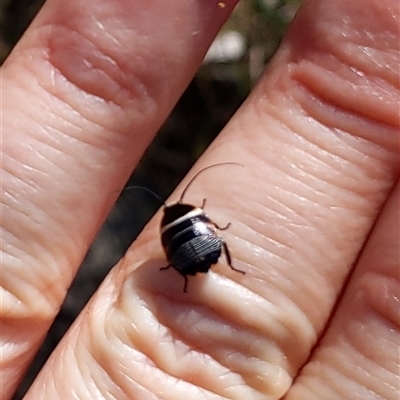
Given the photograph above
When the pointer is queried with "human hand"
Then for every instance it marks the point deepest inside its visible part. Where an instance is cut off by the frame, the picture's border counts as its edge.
(87, 88)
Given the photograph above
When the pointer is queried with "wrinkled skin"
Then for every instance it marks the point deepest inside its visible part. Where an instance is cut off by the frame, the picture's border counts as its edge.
(314, 213)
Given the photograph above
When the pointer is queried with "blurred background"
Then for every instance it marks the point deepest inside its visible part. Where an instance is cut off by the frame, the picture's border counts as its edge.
(232, 66)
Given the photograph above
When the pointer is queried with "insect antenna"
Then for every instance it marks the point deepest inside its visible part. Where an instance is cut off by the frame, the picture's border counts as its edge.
(145, 189)
(204, 169)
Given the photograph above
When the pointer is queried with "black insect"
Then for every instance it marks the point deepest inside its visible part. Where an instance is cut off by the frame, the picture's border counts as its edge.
(189, 238)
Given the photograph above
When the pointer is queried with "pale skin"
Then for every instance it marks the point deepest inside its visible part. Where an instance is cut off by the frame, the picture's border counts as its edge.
(314, 212)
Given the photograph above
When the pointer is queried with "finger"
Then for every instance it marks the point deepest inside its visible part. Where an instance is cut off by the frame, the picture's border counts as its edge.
(319, 141)
(358, 357)
(86, 89)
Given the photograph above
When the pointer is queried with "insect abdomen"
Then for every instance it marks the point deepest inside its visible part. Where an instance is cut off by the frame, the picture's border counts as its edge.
(197, 254)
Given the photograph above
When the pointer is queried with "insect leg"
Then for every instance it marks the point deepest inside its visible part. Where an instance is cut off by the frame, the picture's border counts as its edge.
(184, 277)
(185, 284)
(204, 203)
(222, 228)
(229, 260)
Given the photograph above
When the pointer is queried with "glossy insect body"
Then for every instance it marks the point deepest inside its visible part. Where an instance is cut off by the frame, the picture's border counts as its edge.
(190, 239)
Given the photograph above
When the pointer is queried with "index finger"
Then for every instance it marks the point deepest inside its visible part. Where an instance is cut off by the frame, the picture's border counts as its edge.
(86, 89)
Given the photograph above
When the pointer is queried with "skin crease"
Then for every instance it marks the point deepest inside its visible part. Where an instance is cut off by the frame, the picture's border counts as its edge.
(314, 212)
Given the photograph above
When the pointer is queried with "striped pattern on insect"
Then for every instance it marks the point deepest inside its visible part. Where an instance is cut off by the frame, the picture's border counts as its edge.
(189, 237)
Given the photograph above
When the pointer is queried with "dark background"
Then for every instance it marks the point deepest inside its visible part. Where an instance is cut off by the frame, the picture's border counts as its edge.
(216, 92)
